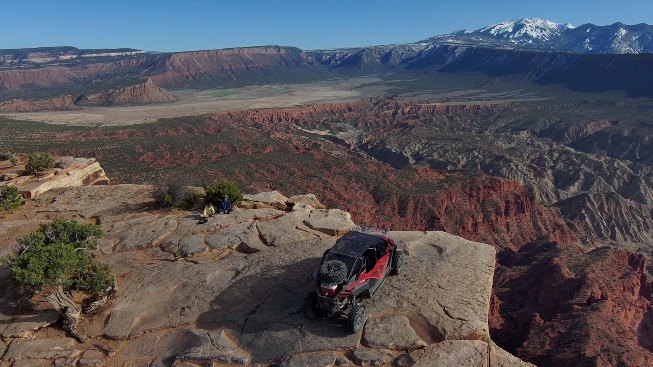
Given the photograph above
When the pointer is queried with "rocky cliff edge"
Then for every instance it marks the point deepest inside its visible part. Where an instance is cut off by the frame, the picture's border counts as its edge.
(229, 292)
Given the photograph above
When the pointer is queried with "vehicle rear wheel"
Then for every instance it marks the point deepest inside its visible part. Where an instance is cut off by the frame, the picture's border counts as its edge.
(333, 272)
(356, 318)
(397, 262)
(310, 306)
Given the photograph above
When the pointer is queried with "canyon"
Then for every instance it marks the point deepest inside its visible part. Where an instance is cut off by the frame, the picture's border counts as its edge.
(559, 211)
(531, 169)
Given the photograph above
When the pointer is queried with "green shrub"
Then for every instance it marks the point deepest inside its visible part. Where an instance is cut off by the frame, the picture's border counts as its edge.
(59, 254)
(10, 156)
(71, 231)
(162, 197)
(215, 193)
(39, 162)
(192, 199)
(10, 198)
(176, 195)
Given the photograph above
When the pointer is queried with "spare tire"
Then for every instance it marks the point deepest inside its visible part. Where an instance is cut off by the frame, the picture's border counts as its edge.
(333, 272)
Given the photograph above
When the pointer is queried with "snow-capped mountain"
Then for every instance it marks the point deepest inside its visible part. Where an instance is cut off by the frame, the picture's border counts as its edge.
(543, 34)
(617, 38)
(526, 30)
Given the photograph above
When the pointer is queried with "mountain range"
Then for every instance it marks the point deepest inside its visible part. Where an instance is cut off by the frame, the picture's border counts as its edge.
(539, 34)
(523, 33)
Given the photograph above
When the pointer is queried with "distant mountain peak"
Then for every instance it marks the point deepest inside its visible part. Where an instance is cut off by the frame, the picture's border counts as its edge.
(542, 34)
(526, 28)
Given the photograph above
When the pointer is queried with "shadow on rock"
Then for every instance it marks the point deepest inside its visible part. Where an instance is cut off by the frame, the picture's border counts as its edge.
(264, 311)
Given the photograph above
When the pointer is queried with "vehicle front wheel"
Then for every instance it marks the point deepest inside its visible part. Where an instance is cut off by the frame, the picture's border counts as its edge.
(356, 318)
(310, 306)
(397, 262)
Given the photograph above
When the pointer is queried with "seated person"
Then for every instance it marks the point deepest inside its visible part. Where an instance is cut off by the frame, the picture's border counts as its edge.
(224, 206)
(209, 211)
(370, 259)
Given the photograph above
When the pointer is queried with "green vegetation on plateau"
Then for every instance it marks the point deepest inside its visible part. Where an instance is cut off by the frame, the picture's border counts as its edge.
(10, 198)
(59, 254)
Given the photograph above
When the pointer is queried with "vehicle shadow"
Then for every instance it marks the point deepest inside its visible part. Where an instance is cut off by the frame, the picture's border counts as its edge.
(265, 312)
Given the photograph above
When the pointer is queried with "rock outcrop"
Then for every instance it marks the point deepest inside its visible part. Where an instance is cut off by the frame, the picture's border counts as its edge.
(228, 66)
(73, 172)
(600, 304)
(21, 105)
(253, 65)
(224, 292)
(138, 94)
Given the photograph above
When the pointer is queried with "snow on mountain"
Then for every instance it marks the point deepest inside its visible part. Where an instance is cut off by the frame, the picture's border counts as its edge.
(526, 29)
(541, 34)
(624, 42)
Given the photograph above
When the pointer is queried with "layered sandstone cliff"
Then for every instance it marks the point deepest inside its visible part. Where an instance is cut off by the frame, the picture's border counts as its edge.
(186, 69)
(72, 172)
(228, 65)
(138, 94)
(21, 105)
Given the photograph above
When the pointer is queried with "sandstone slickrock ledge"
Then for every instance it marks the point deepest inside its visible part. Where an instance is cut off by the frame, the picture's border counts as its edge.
(392, 332)
(24, 325)
(462, 353)
(74, 172)
(230, 291)
(273, 199)
(333, 222)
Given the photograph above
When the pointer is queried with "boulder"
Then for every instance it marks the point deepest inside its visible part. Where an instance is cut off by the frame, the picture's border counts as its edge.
(222, 341)
(333, 222)
(76, 172)
(243, 237)
(302, 207)
(460, 353)
(370, 357)
(501, 358)
(285, 230)
(215, 346)
(308, 199)
(320, 359)
(25, 324)
(9, 176)
(40, 349)
(185, 246)
(33, 363)
(391, 332)
(92, 358)
(3, 348)
(273, 199)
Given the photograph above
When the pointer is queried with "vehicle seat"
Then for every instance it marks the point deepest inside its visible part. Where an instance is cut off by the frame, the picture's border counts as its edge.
(370, 258)
(380, 251)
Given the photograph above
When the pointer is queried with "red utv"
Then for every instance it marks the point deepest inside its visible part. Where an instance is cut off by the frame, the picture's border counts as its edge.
(351, 270)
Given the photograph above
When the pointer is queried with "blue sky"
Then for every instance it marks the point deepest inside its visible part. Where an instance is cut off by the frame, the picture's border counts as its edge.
(167, 25)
